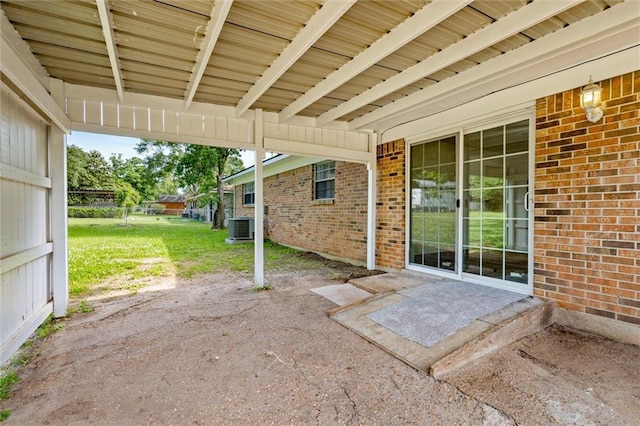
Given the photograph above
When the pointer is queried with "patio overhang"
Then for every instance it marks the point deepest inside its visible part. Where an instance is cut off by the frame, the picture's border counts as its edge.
(312, 78)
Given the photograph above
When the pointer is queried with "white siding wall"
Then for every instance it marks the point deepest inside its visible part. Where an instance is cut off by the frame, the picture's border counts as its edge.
(25, 247)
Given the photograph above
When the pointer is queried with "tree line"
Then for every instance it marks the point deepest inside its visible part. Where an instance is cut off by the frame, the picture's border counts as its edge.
(161, 168)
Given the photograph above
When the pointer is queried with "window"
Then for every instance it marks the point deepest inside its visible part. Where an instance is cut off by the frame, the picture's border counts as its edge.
(249, 193)
(324, 180)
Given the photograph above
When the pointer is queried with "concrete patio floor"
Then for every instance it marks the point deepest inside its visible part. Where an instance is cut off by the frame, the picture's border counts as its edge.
(479, 337)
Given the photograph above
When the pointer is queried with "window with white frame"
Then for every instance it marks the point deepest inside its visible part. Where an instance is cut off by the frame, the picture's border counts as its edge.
(324, 180)
(248, 193)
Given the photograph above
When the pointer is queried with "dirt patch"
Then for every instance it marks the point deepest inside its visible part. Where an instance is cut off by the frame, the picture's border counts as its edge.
(211, 350)
(559, 376)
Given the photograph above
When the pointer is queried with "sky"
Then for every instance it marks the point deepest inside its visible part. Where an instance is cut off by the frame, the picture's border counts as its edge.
(108, 145)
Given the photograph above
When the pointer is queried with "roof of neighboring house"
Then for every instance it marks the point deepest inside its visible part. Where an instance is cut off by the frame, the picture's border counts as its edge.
(226, 189)
(171, 198)
(272, 166)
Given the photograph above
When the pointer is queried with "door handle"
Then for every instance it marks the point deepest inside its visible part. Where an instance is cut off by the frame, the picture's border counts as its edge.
(526, 201)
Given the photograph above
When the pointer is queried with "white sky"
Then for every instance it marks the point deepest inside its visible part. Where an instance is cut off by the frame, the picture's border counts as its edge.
(108, 145)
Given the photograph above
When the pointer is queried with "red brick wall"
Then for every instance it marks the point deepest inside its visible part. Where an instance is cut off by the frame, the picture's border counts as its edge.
(334, 227)
(390, 205)
(587, 202)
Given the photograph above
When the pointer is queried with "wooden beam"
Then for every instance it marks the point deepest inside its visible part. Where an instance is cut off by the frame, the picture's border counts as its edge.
(109, 38)
(523, 18)
(219, 14)
(424, 19)
(319, 23)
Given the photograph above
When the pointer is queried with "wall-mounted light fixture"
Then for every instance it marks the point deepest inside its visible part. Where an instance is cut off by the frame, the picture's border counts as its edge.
(590, 101)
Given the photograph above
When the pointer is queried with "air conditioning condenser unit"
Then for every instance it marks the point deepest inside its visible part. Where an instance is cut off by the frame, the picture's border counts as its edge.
(241, 229)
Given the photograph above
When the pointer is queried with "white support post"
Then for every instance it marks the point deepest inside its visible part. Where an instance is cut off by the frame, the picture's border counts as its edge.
(58, 209)
(371, 204)
(58, 173)
(259, 202)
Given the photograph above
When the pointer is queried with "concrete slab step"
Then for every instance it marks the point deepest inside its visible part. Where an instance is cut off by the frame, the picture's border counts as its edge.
(478, 338)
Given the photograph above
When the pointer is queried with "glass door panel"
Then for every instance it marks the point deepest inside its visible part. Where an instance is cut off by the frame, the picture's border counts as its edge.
(433, 204)
(495, 223)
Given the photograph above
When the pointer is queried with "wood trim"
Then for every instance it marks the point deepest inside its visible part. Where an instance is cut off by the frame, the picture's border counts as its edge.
(23, 176)
(22, 258)
(316, 150)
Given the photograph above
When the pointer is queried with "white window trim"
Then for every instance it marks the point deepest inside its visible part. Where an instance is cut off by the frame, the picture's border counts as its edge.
(315, 181)
(245, 193)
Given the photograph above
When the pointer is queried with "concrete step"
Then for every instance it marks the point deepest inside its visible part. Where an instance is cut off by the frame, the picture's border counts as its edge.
(480, 337)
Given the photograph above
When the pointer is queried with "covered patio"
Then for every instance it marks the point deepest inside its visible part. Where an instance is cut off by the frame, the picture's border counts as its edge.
(331, 79)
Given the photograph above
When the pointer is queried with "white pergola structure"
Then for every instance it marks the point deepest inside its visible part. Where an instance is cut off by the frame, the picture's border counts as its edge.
(322, 78)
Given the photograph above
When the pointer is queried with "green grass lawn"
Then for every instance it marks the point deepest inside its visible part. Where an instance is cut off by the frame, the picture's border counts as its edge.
(441, 227)
(103, 249)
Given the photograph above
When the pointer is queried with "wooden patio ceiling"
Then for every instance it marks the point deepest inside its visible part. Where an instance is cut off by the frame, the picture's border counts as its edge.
(344, 63)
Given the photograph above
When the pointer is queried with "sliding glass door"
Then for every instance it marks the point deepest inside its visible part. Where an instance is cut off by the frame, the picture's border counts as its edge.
(488, 237)
(495, 218)
(433, 204)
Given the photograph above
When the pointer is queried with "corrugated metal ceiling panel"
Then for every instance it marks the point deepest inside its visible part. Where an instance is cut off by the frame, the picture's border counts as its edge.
(66, 37)
(158, 42)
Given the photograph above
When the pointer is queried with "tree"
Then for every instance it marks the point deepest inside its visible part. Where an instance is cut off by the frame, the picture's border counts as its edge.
(205, 167)
(196, 166)
(160, 162)
(134, 172)
(88, 171)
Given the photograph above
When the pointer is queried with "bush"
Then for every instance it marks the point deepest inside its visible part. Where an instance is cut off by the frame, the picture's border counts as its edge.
(96, 212)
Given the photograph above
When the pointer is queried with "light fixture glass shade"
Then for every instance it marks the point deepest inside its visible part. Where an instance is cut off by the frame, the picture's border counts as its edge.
(590, 96)
(590, 99)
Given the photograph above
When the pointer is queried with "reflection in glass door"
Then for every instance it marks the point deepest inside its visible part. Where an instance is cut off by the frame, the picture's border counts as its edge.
(495, 214)
(433, 204)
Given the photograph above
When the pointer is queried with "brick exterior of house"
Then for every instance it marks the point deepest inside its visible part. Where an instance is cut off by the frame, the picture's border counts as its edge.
(587, 205)
(337, 227)
(390, 205)
(587, 202)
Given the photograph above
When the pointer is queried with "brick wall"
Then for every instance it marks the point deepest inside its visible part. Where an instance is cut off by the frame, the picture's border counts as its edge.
(587, 202)
(390, 205)
(333, 227)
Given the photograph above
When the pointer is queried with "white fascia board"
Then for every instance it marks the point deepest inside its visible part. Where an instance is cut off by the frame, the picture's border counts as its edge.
(612, 30)
(283, 164)
(315, 28)
(110, 96)
(144, 134)
(104, 12)
(316, 150)
(423, 20)
(514, 99)
(517, 21)
(218, 16)
(298, 120)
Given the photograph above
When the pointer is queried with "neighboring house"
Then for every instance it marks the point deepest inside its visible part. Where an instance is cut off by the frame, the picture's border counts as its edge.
(195, 209)
(173, 204)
